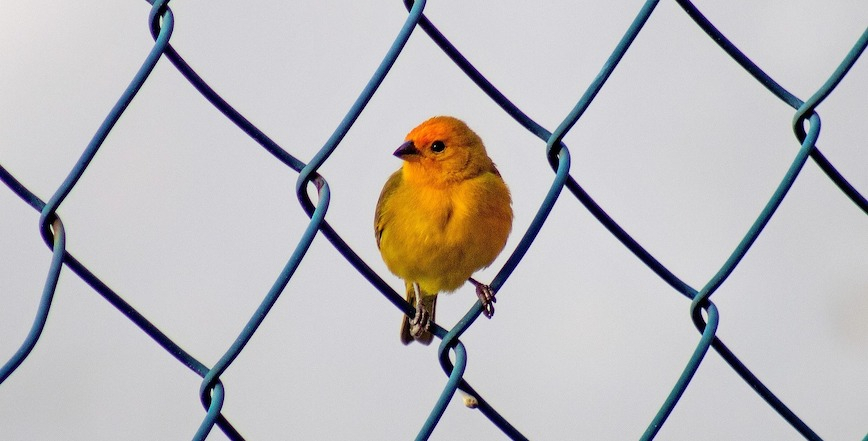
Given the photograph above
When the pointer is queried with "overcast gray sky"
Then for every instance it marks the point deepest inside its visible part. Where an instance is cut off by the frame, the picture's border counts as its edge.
(191, 221)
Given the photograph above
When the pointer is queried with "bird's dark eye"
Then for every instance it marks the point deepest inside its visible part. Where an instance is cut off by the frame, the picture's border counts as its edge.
(438, 146)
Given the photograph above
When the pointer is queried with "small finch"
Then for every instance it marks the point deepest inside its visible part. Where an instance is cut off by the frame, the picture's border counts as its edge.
(445, 214)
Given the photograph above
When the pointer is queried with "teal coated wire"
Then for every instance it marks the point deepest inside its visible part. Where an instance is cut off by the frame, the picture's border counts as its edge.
(218, 102)
(766, 214)
(49, 219)
(215, 400)
(158, 9)
(210, 380)
(119, 303)
(310, 170)
(784, 94)
(456, 375)
(159, 12)
(701, 302)
(58, 248)
(806, 110)
(364, 97)
(609, 66)
(708, 335)
(451, 339)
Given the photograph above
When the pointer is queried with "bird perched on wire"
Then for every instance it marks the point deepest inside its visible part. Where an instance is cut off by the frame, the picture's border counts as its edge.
(443, 215)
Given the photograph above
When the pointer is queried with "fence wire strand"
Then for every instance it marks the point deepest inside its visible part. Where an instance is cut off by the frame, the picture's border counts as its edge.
(703, 312)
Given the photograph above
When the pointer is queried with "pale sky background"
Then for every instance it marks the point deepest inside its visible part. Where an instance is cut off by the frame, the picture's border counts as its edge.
(191, 221)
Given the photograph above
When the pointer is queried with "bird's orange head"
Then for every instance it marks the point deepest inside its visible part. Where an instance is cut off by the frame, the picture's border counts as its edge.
(442, 150)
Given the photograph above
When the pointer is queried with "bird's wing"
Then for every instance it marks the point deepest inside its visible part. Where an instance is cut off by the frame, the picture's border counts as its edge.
(495, 170)
(381, 219)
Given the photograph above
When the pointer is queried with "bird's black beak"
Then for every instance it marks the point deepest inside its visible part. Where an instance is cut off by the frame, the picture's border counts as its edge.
(406, 149)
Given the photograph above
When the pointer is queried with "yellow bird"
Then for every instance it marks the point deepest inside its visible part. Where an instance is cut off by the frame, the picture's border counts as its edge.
(443, 215)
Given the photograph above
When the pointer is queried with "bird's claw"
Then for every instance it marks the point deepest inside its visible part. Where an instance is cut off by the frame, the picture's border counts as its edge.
(419, 323)
(486, 296)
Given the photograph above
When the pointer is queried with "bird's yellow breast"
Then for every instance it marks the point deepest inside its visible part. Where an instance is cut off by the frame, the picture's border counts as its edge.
(438, 235)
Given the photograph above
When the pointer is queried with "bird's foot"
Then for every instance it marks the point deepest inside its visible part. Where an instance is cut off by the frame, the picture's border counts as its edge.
(486, 296)
(420, 322)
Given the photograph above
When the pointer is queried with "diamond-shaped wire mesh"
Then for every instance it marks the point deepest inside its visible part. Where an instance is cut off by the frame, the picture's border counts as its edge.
(729, 180)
